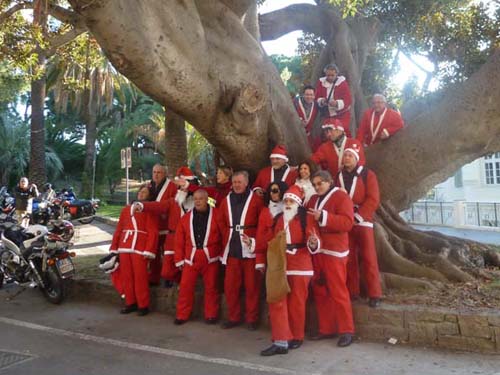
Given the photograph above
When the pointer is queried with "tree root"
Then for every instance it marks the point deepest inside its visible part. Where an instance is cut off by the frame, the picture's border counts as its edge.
(393, 281)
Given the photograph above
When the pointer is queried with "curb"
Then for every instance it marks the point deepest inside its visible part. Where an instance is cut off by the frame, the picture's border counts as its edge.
(107, 220)
(407, 324)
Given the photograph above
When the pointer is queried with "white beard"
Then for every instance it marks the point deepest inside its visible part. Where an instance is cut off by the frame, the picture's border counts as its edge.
(180, 196)
(290, 212)
(275, 208)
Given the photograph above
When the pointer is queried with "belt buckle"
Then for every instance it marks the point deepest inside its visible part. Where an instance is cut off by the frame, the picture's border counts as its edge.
(238, 228)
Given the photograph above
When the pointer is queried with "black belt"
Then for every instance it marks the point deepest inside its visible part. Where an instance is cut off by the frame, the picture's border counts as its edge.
(242, 227)
(296, 246)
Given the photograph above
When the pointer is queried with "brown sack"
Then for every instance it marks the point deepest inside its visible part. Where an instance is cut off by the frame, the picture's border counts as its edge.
(277, 286)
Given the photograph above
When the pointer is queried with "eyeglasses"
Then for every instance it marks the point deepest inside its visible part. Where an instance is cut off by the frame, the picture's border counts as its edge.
(274, 191)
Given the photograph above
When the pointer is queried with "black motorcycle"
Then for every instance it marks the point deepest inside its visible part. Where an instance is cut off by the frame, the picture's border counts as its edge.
(7, 202)
(42, 212)
(69, 208)
(38, 256)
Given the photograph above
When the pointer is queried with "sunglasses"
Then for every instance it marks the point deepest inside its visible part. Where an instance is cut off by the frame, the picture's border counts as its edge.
(274, 191)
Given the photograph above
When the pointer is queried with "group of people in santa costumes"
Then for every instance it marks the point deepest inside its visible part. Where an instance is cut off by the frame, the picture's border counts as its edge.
(325, 240)
(331, 100)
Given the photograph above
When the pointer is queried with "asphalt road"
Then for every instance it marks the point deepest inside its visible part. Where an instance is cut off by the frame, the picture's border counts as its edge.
(76, 338)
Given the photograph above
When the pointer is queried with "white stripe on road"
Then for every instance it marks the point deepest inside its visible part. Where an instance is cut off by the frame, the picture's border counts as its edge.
(147, 348)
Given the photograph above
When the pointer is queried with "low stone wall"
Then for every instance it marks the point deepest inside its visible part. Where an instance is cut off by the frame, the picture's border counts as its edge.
(413, 325)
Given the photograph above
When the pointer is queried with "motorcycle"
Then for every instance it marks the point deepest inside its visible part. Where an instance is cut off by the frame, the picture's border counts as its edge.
(42, 212)
(7, 202)
(68, 208)
(38, 256)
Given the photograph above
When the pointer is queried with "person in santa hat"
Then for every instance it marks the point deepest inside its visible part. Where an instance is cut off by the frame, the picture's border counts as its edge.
(135, 240)
(334, 97)
(379, 122)
(173, 209)
(333, 210)
(197, 251)
(278, 171)
(238, 216)
(161, 189)
(308, 109)
(362, 186)
(288, 315)
(329, 154)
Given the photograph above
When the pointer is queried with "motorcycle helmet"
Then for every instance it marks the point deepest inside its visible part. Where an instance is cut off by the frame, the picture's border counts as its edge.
(63, 229)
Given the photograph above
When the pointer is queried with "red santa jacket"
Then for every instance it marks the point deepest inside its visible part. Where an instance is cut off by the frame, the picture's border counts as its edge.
(364, 193)
(374, 124)
(249, 220)
(331, 155)
(167, 191)
(298, 256)
(341, 93)
(173, 213)
(266, 176)
(135, 234)
(185, 244)
(299, 107)
(335, 222)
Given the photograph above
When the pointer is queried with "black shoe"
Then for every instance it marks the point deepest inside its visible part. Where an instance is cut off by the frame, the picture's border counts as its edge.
(143, 311)
(374, 302)
(230, 324)
(322, 336)
(167, 284)
(294, 344)
(211, 320)
(179, 322)
(273, 350)
(128, 309)
(345, 340)
(252, 326)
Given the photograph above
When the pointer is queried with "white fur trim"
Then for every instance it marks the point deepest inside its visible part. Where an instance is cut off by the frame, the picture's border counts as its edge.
(279, 156)
(149, 255)
(365, 224)
(324, 215)
(260, 266)
(356, 153)
(300, 273)
(293, 197)
(385, 132)
(359, 217)
(180, 263)
(338, 254)
(340, 104)
(169, 252)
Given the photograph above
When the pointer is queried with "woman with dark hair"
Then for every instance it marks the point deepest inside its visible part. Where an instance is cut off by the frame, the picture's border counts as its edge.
(274, 197)
(306, 170)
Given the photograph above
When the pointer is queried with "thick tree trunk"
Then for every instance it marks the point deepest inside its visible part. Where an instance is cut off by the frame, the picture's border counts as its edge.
(175, 142)
(198, 59)
(37, 168)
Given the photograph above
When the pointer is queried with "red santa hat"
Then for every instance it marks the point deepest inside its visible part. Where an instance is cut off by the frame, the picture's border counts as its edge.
(354, 149)
(279, 152)
(296, 193)
(185, 173)
(332, 123)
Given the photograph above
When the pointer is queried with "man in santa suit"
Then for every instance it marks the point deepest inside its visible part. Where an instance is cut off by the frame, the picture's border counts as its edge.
(379, 122)
(334, 96)
(329, 154)
(197, 251)
(238, 216)
(362, 186)
(172, 209)
(333, 210)
(135, 240)
(307, 109)
(216, 193)
(161, 189)
(288, 315)
(278, 171)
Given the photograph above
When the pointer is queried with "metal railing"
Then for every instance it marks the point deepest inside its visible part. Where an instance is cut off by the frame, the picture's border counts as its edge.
(483, 214)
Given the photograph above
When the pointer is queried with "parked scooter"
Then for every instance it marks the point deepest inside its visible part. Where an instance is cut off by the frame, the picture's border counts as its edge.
(38, 256)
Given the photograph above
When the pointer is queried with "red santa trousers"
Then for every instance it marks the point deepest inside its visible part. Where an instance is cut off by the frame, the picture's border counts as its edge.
(209, 272)
(134, 278)
(155, 265)
(240, 271)
(288, 317)
(362, 248)
(169, 271)
(331, 296)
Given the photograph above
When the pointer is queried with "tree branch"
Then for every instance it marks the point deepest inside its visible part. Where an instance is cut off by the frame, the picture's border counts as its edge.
(64, 15)
(62, 39)
(15, 8)
(305, 17)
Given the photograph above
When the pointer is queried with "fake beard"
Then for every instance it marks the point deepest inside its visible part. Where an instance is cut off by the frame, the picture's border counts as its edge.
(184, 199)
(275, 208)
(289, 212)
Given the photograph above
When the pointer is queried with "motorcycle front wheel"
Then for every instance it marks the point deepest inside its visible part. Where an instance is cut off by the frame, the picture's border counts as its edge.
(54, 286)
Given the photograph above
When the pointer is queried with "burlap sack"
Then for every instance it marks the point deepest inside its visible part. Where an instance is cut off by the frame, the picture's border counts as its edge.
(277, 286)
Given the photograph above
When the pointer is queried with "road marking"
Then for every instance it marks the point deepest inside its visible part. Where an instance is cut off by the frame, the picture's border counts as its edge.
(148, 348)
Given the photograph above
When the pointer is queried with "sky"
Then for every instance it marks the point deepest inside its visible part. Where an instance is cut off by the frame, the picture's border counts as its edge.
(287, 44)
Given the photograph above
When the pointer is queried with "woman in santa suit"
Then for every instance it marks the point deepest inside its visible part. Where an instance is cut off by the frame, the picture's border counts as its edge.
(135, 240)
(288, 315)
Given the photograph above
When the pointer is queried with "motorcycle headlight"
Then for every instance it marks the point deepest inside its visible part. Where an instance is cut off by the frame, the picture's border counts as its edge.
(42, 205)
